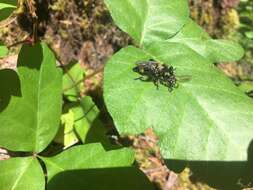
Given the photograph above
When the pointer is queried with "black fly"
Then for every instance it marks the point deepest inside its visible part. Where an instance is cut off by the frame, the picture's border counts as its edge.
(151, 70)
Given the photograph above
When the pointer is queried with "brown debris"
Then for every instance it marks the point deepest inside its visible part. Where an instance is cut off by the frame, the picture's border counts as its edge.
(4, 154)
(9, 62)
(83, 31)
(150, 161)
(218, 18)
(237, 71)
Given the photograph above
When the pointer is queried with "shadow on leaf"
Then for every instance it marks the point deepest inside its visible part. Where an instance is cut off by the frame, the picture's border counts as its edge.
(9, 86)
(101, 179)
(31, 56)
(5, 13)
(217, 174)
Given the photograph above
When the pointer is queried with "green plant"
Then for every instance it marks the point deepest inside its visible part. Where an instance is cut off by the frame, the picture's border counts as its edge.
(3, 50)
(30, 115)
(198, 120)
(245, 33)
(206, 118)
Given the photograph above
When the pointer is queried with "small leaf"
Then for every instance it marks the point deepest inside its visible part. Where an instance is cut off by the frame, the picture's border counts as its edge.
(66, 134)
(149, 20)
(7, 91)
(21, 174)
(88, 156)
(85, 115)
(206, 118)
(215, 50)
(75, 74)
(3, 50)
(31, 120)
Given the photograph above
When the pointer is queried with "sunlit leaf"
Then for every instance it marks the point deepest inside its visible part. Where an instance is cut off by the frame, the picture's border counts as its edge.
(21, 174)
(205, 118)
(149, 20)
(31, 119)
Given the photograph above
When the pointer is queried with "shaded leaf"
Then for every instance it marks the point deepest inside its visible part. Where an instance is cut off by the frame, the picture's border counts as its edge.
(101, 179)
(206, 118)
(12, 89)
(21, 173)
(6, 9)
(85, 114)
(90, 156)
(30, 121)
(75, 74)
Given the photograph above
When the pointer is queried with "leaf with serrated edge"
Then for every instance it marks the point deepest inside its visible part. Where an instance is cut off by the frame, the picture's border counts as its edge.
(88, 156)
(206, 118)
(31, 120)
(149, 20)
(21, 174)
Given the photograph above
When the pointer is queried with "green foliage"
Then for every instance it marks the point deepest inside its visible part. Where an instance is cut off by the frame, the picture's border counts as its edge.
(85, 115)
(66, 135)
(147, 21)
(123, 178)
(21, 173)
(245, 34)
(6, 8)
(80, 117)
(38, 77)
(89, 156)
(30, 117)
(206, 117)
(74, 74)
(3, 50)
(197, 39)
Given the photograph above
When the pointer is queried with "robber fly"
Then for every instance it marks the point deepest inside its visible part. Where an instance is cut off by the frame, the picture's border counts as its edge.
(158, 73)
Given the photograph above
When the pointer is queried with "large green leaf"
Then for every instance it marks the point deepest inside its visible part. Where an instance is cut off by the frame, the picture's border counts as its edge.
(206, 118)
(215, 50)
(149, 20)
(21, 174)
(30, 121)
(88, 156)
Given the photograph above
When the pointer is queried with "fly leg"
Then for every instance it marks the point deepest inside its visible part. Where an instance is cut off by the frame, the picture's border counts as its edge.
(143, 78)
(156, 83)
